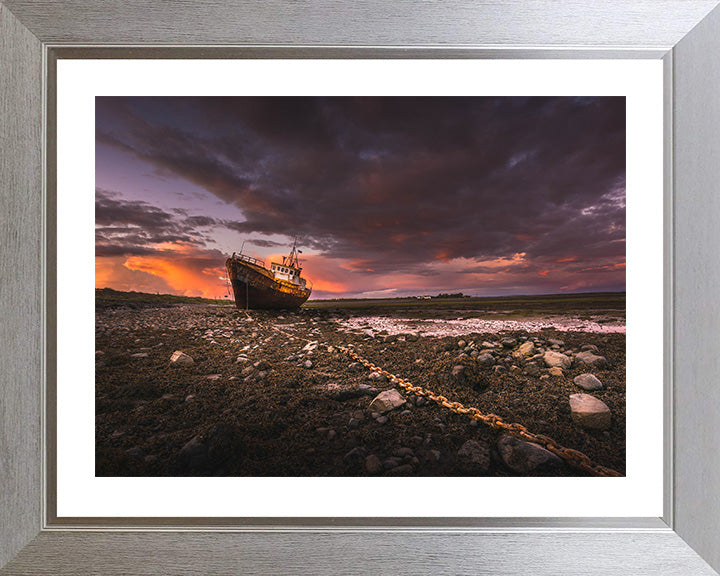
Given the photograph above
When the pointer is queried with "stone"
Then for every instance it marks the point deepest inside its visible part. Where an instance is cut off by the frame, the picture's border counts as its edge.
(403, 451)
(532, 368)
(382, 420)
(136, 452)
(525, 457)
(262, 365)
(213, 377)
(515, 369)
(589, 348)
(386, 401)
(556, 342)
(525, 349)
(485, 359)
(376, 376)
(356, 453)
(247, 372)
(556, 359)
(308, 364)
(404, 470)
(241, 360)
(140, 355)
(499, 369)
(461, 344)
(457, 371)
(508, 342)
(590, 359)
(373, 465)
(588, 382)
(390, 463)
(590, 412)
(474, 457)
(193, 454)
(180, 358)
(556, 371)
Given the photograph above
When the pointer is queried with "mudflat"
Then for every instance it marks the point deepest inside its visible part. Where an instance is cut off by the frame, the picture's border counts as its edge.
(273, 394)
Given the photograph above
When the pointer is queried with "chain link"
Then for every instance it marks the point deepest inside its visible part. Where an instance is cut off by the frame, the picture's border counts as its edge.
(573, 457)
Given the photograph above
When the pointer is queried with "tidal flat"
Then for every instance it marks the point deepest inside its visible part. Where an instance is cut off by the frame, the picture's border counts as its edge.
(273, 393)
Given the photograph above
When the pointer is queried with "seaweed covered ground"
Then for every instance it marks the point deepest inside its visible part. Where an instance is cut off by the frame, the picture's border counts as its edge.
(264, 396)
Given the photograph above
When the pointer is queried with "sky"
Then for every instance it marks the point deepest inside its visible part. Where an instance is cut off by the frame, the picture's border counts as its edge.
(387, 196)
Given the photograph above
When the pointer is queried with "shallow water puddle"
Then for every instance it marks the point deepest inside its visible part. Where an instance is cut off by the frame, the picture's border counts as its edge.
(460, 327)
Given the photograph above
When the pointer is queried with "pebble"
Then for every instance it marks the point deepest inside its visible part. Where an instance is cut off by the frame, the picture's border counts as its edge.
(590, 359)
(382, 420)
(474, 457)
(404, 451)
(404, 470)
(556, 359)
(193, 453)
(179, 357)
(590, 412)
(525, 349)
(213, 377)
(525, 457)
(556, 371)
(486, 359)
(435, 455)
(373, 465)
(308, 364)
(140, 355)
(376, 376)
(587, 382)
(135, 452)
(386, 401)
(357, 452)
(390, 463)
(508, 342)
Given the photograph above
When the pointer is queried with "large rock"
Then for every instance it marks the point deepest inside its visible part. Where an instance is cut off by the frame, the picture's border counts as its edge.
(386, 401)
(590, 359)
(588, 382)
(590, 412)
(525, 457)
(556, 359)
(180, 358)
(474, 457)
(556, 371)
(508, 342)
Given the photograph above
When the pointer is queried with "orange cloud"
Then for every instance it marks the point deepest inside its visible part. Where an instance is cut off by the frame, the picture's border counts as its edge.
(568, 259)
(176, 269)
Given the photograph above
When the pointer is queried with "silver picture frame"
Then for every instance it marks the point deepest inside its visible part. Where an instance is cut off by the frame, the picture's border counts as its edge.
(684, 34)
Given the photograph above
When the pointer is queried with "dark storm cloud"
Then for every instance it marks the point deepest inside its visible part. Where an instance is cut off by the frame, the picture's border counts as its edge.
(392, 183)
(135, 228)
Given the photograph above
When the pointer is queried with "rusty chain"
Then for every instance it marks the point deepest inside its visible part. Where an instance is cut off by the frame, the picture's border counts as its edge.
(573, 457)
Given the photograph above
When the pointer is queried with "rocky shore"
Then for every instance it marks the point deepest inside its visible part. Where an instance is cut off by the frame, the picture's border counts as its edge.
(206, 390)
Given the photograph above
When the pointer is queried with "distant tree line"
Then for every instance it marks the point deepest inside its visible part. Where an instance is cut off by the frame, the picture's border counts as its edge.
(454, 295)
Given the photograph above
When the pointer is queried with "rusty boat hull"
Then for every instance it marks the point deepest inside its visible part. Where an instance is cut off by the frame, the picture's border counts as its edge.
(255, 288)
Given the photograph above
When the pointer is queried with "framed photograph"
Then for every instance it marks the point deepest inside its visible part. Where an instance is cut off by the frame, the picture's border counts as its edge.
(328, 292)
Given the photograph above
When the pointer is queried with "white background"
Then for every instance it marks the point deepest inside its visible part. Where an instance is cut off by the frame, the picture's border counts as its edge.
(80, 493)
